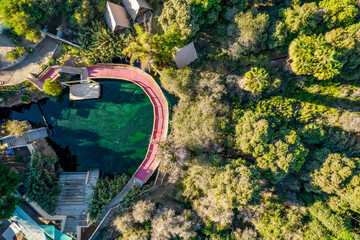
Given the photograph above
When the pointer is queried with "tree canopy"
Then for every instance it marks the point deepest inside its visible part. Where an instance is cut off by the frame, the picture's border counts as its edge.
(52, 87)
(257, 79)
(16, 128)
(9, 183)
(42, 182)
(313, 55)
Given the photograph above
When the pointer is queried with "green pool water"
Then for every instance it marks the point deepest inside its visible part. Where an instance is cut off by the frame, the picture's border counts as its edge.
(111, 133)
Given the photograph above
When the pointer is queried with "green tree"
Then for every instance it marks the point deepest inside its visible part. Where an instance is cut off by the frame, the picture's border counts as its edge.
(217, 193)
(83, 14)
(207, 9)
(104, 191)
(52, 87)
(341, 13)
(236, 186)
(334, 173)
(305, 19)
(169, 225)
(313, 133)
(346, 41)
(351, 194)
(9, 183)
(179, 14)
(197, 125)
(26, 17)
(100, 45)
(151, 50)
(178, 82)
(313, 55)
(276, 148)
(16, 127)
(257, 79)
(333, 222)
(142, 211)
(278, 222)
(42, 182)
(252, 30)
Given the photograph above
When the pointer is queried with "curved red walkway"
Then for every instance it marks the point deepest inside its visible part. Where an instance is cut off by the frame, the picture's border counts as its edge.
(152, 89)
(160, 106)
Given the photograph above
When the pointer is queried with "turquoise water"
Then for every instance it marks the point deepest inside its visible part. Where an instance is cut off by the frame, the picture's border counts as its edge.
(111, 133)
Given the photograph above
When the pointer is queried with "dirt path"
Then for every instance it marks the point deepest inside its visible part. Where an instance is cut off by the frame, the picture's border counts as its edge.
(41, 55)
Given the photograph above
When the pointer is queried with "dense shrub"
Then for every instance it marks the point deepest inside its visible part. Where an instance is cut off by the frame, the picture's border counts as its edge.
(15, 127)
(16, 53)
(42, 182)
(52, 87)
(9, 182)
(104, 191)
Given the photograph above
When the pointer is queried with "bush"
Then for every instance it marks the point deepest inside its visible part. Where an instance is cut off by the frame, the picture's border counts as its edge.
(13, 36)
(16, 127)
(16, 53)
(104, 191)
(51, 87)
(25, 99)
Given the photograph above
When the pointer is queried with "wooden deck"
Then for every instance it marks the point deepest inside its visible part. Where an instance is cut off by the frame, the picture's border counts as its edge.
(29, 137)
(84, 91)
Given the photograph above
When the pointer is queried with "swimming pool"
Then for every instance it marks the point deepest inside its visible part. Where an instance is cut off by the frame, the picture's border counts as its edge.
(111, 133)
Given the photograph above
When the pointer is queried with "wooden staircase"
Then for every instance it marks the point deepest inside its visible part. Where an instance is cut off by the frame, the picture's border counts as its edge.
(76, 190)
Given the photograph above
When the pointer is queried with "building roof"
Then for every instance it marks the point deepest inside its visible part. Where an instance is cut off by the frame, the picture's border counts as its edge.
(27, 225)
(118, 15)
(133, 7)
(54, 234)
(185, 55)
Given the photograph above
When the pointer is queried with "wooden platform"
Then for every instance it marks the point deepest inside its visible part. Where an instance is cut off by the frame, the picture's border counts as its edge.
(29, 137)
(84, 91)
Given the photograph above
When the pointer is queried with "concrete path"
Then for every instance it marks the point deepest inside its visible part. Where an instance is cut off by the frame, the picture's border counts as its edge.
(41, 55)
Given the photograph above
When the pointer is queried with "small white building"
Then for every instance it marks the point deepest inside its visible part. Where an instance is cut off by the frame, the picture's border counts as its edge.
(139, 10)
(185, 55)
(116, 17)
